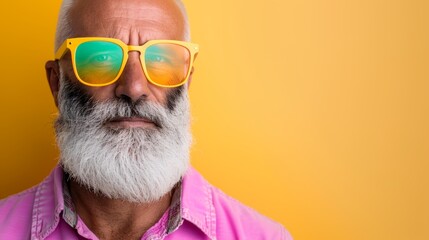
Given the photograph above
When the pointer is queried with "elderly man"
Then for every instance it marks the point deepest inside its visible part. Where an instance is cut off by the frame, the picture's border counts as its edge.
(120, 79)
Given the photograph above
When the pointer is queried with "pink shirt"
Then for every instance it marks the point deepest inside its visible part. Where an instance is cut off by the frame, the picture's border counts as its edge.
(200, 211)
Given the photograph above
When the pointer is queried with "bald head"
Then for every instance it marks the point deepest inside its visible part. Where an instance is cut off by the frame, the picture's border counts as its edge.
(112, 18)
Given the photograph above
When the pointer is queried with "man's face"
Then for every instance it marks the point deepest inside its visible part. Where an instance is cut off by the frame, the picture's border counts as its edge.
(129, 140)
(134, 22)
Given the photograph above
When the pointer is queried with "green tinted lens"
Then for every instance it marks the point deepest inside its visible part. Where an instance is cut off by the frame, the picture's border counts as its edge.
(98, 62)
(167, 64)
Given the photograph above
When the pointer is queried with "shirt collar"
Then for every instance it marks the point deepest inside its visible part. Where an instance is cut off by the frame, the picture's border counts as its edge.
(197, 203)
(192, 201)
(48, 205)
(69, 213)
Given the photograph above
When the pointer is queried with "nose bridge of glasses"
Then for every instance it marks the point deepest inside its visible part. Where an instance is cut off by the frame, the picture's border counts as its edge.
(137, 49)
(138, 57)
(132, 48)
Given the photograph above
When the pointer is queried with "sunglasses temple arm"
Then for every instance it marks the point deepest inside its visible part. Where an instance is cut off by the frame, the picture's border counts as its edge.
(61, 50)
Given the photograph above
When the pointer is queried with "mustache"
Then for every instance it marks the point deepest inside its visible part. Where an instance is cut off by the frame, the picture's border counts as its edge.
(123, 108)
(76, 106)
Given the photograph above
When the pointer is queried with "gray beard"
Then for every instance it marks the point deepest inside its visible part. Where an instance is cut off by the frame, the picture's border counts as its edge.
(133, 164)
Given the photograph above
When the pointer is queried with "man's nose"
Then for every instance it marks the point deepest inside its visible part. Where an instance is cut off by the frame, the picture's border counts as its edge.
(132, 83)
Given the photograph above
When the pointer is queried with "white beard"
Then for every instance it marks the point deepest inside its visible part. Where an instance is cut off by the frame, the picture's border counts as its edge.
(135, 164)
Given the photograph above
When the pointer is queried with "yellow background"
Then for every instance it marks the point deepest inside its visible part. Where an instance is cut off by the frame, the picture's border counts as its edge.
(315, 113)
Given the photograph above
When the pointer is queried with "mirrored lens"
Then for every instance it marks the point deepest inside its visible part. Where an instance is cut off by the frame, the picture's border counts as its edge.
(167, 64)
(98, 62)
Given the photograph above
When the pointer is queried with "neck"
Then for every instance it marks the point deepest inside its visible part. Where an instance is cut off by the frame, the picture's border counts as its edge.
(115, 218)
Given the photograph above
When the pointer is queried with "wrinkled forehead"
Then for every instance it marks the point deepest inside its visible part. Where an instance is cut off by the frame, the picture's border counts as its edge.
(132, 21)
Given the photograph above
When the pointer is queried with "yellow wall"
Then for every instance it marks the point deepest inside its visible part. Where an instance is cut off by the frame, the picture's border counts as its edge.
(315, 113)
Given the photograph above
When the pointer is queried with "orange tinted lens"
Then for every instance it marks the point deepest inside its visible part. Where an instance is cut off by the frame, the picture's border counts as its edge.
(167, 63)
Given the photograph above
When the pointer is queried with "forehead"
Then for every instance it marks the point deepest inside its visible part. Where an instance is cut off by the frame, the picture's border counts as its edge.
(132, 21)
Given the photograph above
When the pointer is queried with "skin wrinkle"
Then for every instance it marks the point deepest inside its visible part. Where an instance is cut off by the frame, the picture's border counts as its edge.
(166, 24)
(103, 26)
(156, 11)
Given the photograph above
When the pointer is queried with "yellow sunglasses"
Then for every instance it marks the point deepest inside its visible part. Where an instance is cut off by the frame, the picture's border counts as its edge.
(100, 61)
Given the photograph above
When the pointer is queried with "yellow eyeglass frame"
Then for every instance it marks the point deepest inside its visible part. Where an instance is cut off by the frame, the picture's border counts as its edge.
(73, 43)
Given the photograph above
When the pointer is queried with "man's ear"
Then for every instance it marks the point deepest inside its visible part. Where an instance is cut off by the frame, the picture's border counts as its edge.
(190, 78)
(53, 76)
